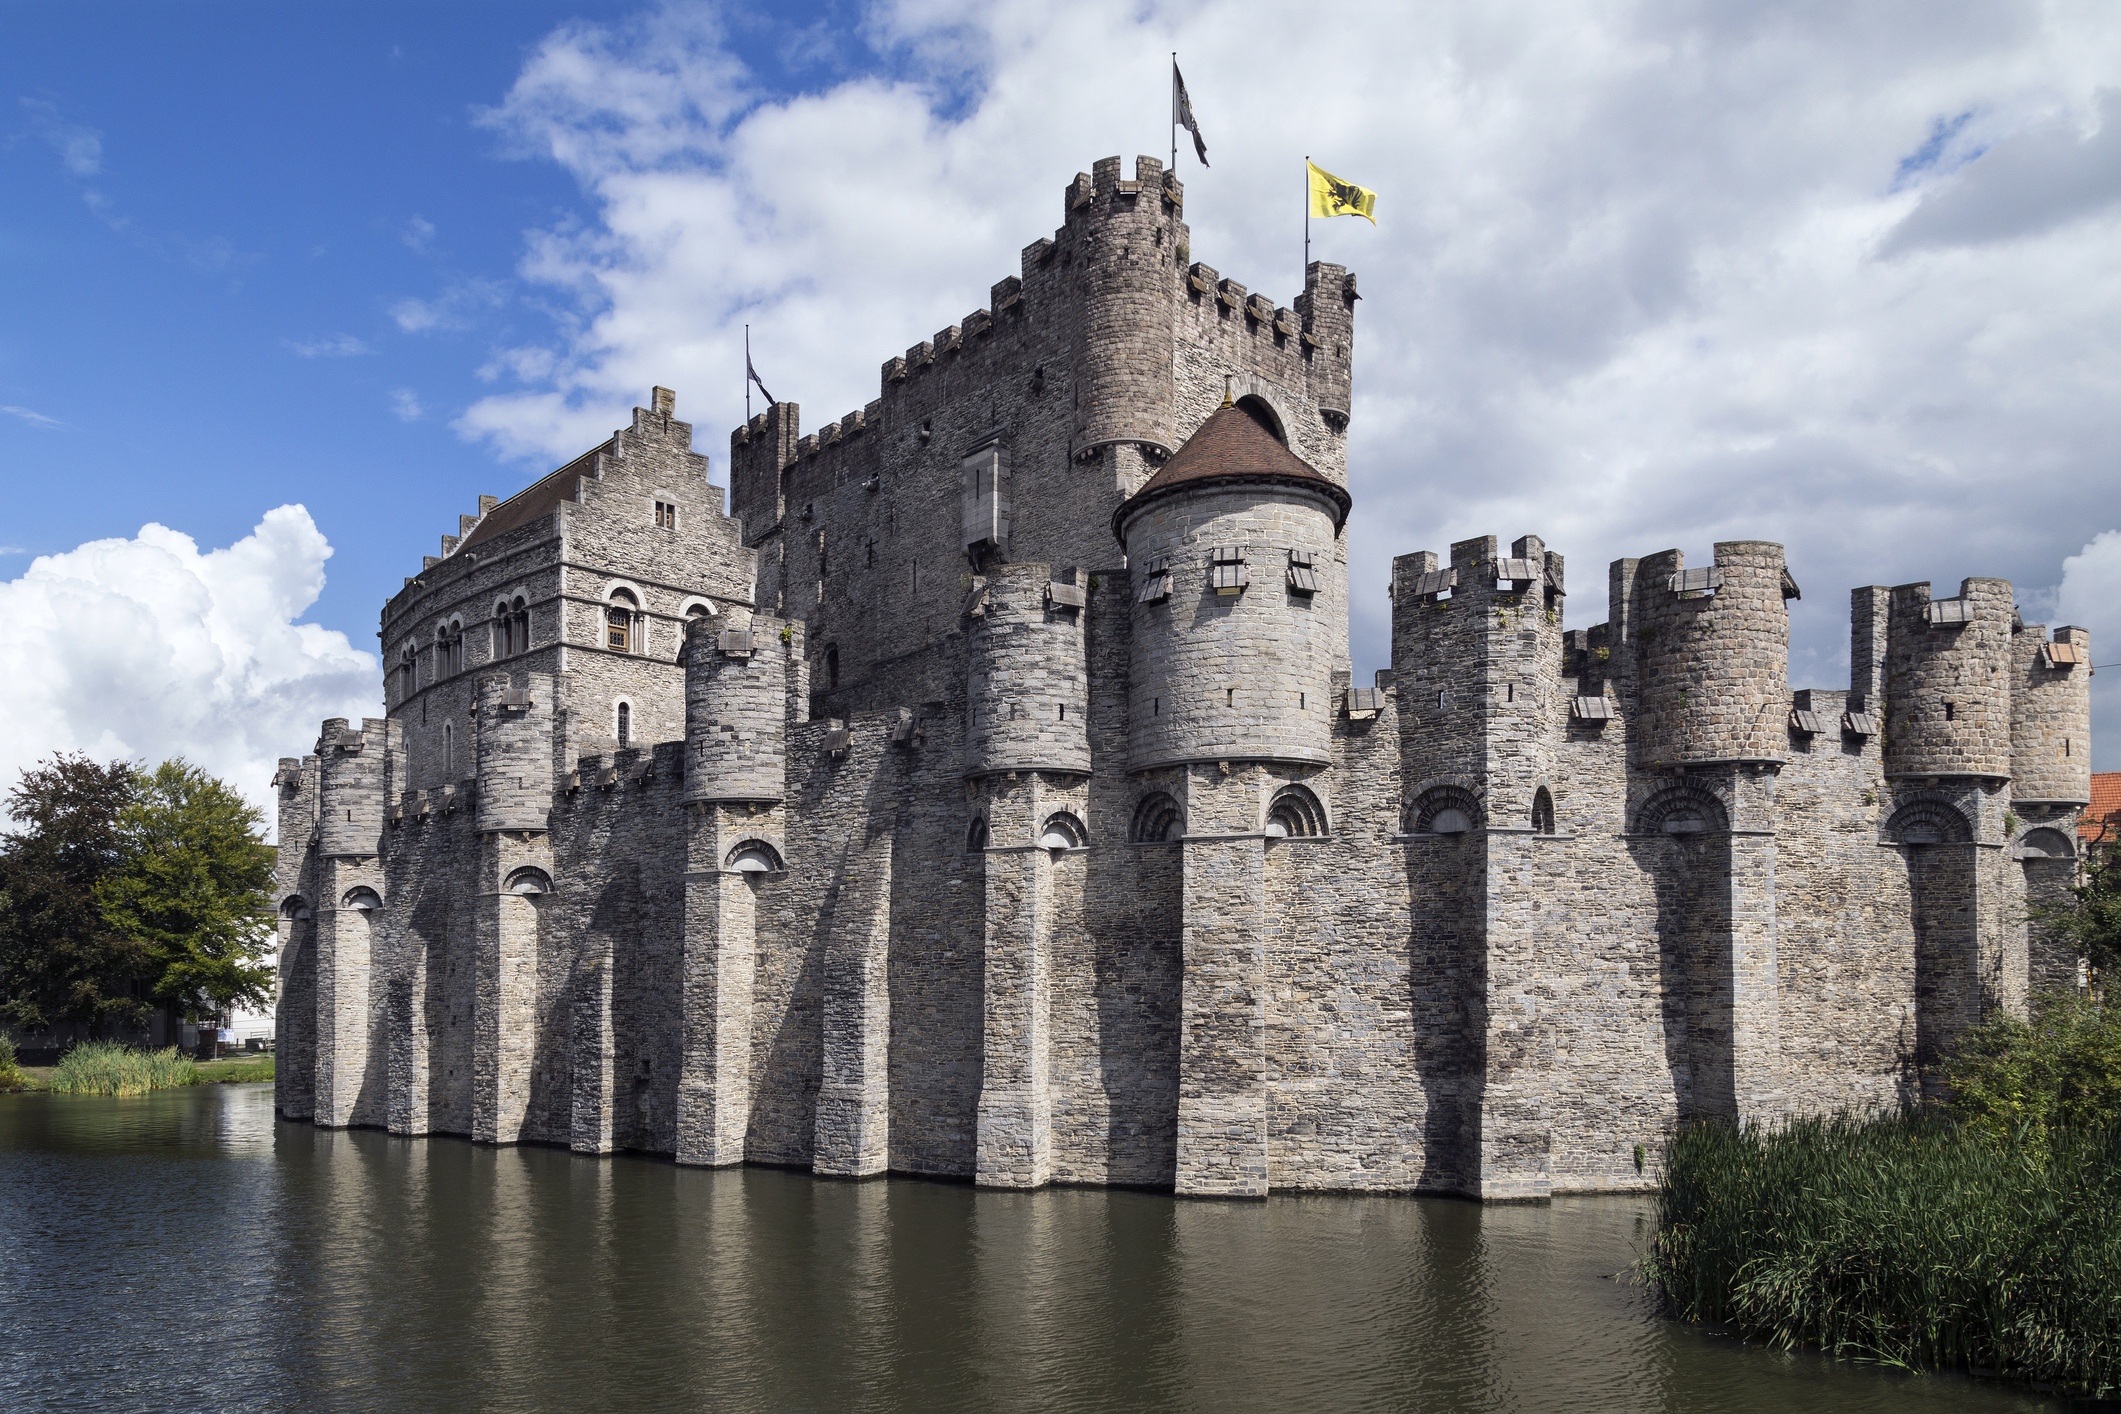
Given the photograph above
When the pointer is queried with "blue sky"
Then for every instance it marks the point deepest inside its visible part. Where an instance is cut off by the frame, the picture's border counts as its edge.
(290, 285)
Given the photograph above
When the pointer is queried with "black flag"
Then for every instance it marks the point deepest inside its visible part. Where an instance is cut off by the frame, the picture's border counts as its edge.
(753, 375)
(1182, 110)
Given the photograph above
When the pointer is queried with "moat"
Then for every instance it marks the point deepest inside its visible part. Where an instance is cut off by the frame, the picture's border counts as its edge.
(188, 1250)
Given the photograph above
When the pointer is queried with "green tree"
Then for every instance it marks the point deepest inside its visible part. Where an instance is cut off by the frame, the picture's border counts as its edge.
(194, 890)
(60, 958)
(2060, 1071)
(2090, 918)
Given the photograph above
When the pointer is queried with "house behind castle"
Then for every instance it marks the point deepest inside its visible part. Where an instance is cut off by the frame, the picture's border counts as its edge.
(984, 793)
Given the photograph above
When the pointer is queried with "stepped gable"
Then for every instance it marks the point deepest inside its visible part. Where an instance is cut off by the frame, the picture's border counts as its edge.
(1235, 444)
(535, 501)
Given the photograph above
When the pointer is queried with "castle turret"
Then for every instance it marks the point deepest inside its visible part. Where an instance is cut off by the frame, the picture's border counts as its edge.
(1327, 307)
(1712, 656)
(2051, 718)
(1027, 682)
(1229, 547)
(1947, 691)
(352, 768)
(353, 782)
(1124, 234)
(736, 727)
(515, 753)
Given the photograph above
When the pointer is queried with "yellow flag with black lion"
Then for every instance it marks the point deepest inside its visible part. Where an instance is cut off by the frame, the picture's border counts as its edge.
(1330, 196)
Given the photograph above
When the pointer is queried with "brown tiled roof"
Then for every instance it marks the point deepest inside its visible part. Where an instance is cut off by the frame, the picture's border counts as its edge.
(2106, 801)
(1234, 444)
(533, 502)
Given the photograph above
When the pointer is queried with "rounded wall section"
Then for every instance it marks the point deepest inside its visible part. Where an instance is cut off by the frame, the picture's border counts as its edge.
(1713, 661)
(515, 753)
(736, 719)
(1948, 686)
(1215, 676)
(350, 787)
(1125, 267)
(2051, 719)
(1027, 690)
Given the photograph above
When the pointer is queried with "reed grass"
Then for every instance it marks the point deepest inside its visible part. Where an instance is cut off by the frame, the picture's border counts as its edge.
(112, 1068)
(1909, 1239)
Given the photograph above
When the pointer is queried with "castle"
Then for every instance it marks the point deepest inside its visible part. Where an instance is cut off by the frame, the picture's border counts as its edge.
(985, 794)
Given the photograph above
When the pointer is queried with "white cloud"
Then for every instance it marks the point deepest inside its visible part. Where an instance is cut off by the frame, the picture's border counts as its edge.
(331, 346)
(2090, 597)
(149, 648)
(34, 419)
(456, 308)
(80, 148)
(1647, 275)
(406, 404)
(417, 233)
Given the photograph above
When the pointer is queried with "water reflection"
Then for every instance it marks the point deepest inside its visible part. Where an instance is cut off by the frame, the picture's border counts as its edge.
(184, 1249)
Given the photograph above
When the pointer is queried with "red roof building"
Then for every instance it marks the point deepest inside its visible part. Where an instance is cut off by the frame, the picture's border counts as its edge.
(2106, 804)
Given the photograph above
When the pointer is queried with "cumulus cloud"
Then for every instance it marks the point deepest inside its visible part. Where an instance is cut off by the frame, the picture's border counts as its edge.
(149, 648)
(406, 404)
(332, 346)
(1646, 275)
(2090, 597)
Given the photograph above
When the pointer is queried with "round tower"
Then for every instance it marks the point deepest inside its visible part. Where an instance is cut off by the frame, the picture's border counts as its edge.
(1027, 688)
(736, 708)
(350, 787)
(2051, 718)
(1947, 688)
(1229, 548)
(1122, 238)
(515, 753)
(1712, 655)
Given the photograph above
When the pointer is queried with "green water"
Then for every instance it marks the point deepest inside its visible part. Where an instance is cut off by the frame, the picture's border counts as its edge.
(185, 1250)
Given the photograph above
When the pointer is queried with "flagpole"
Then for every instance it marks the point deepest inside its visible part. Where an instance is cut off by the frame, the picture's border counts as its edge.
(1307, 217)
(1174, 112)
(747, 371)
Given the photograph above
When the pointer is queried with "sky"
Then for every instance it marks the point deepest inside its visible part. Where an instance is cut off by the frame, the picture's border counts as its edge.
(285, 287)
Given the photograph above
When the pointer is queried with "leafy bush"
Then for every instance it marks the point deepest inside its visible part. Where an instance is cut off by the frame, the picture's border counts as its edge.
(110, 1068)
(11, 1076)
(2061, 1069)
(1909, 1239)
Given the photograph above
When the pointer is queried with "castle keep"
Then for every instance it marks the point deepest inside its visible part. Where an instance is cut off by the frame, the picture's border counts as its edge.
(983, 792)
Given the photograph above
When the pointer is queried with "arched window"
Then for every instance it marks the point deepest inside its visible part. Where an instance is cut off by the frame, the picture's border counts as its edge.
(976, 835)
(1444, 810)
(1542, 812)
(503, 631)
(832, 666)
(624, 726)
(1923, 822)
(620, 614)
(1295, 811)
(449, 750)
(520, 612)
(408, 671)
(1063, 831)
(1157, 819)
(693, 614)
(754, 857)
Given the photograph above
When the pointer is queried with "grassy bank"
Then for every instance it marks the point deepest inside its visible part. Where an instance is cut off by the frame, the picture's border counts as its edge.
(240, 1071)
(112, 1068)
(1914, 1240)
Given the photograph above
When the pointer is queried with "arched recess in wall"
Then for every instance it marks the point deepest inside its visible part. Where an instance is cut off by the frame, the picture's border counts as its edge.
(1443, 810)
(2046, 843)
(1062, 831)
(1543, 812)
(696, 607)
(625, 617)
(1921, 822)
(1682, 810)
(832, 665)
(753, 857)
(527, 882)
(1158, 819)
(362, 900)
(295, 909)
(976, 835)
(1295, 812)
(1250, 387)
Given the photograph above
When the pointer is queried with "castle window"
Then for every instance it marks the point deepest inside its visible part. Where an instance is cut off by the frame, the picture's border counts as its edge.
(1303, 572)
(519, 619)
(619, 616)
(832, 667)
(1157, 820)
(1443, 810)
(666, 515)
(449, 751)
(1227, 571)
(1156, 582)
(625, 723)
(408, 671)
(976, 836)
(1542, 812)
(1295, 813)
(1951, 711)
